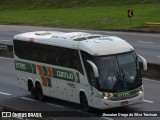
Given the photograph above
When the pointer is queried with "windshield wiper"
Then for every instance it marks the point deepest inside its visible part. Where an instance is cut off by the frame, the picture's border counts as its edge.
(118, 76)
(122, 74)
(123, 83)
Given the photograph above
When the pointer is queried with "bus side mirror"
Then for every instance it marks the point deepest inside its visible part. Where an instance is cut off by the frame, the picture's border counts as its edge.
(94, 67)
(144, 62)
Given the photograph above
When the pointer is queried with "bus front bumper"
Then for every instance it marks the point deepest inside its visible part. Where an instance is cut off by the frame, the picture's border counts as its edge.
(106, 103)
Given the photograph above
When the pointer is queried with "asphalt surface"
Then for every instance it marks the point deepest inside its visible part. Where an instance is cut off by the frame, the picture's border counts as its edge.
(14, 97)
(145, 44)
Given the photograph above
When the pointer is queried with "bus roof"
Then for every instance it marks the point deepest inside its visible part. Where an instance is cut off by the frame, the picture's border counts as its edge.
(93, 44)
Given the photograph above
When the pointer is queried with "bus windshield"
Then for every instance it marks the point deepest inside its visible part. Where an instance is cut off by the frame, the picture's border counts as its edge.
(118, 72)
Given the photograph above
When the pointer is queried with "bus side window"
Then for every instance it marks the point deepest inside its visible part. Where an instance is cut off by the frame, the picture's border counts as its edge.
(23, 49)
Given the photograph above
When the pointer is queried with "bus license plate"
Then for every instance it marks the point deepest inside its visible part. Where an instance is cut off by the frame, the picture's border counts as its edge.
(124, 103)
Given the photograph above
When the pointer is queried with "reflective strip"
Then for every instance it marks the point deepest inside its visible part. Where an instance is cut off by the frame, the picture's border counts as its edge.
(44, 81)
(40, 70)
(49, 69)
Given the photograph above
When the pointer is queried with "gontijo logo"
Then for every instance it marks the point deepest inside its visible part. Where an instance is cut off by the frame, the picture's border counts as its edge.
(64, 75)
(68, 75)
(123, 94)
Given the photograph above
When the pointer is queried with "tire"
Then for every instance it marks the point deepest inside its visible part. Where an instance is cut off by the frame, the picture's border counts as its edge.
(40, 95)
(84, 102)
(30, 85)
(33, 92)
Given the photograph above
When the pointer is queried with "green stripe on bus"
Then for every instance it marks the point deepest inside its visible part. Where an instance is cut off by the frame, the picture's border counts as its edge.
(49, 82)
(57, 73)
(34, 69)
(45, 72)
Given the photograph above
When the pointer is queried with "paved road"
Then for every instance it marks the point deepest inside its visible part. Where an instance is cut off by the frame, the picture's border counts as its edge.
(146, 44)
(12, 96)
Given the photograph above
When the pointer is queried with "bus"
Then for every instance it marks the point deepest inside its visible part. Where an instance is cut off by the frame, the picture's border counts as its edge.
(93, 70)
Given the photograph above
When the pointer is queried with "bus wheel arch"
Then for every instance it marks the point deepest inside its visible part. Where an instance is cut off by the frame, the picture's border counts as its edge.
(84, 101)
(39, 91)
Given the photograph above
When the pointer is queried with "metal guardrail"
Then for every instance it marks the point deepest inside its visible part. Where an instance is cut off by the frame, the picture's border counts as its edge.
(1, 108)
(6, 50)
(3, 47)
(152, 24)
(152, 72)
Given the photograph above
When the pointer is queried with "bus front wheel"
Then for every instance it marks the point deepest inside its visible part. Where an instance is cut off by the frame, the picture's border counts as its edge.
(84, 102)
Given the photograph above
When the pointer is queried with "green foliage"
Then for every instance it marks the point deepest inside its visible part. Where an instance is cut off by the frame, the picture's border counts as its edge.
(88, 14)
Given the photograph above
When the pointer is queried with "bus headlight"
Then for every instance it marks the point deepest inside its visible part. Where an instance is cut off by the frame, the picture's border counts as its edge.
(105, 98)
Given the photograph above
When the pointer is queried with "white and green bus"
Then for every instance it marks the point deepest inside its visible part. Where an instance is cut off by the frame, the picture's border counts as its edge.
(89, 69)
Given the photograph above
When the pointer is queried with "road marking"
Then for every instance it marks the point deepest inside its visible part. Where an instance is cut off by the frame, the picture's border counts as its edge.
(6, 58)
(85, 112)
(107, 118)
(55, 105)
(148, 101)
(5, 93)
(28, 99)
(145, 42)
(3, 47)
(158, 56)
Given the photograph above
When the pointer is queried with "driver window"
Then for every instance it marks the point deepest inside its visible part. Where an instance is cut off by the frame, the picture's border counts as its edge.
(89, 70)
(91, 76)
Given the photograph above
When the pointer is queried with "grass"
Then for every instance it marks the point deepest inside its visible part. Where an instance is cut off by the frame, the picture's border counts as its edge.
(102, 17)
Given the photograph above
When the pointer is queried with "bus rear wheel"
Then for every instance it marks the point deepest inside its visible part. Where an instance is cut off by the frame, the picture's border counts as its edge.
(40, 95)
(33, 92)
(84, 102)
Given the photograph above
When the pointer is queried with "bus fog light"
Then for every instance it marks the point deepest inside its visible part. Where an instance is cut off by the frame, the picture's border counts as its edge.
(140, 92)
